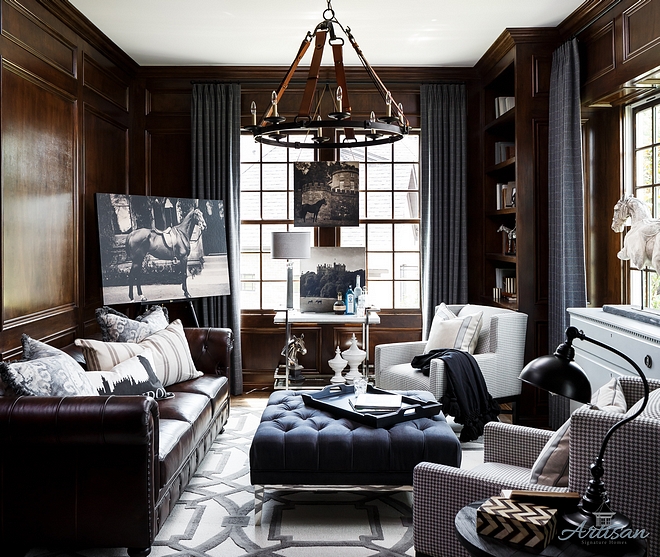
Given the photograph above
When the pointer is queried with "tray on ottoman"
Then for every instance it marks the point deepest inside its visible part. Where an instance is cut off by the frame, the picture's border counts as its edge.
(336, 399)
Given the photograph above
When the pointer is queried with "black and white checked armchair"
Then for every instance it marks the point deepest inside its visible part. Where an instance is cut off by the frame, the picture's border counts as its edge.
(500, 353)
(632, 473)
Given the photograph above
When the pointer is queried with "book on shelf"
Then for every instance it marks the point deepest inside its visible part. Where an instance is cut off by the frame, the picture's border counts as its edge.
(499, 197)
(505, 279)
(503, 104)
(504, 150)
(369, 402)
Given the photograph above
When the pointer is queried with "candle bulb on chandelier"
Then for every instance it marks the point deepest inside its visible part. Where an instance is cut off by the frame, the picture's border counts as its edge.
(372, 116)
(388, 102)
(273, 101)
(319, 130)
(401, 112)
(340, 96)
(253, 110)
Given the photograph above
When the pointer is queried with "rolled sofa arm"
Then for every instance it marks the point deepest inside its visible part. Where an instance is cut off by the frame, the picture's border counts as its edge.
(84, 420)
(211, 349)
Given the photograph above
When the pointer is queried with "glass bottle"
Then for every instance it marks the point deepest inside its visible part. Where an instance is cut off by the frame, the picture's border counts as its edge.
(357, 292)
(339, 307)
(350, 301)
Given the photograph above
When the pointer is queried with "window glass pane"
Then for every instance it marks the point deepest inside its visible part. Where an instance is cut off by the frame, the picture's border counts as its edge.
(274, 177)
(273, 269)
(406, 237)
(379, 266)
(379, 206)
(656, 174)
(645, 195)
(656, 123)
(380, 153)
(250, 295)
(380, 293)
(406, 265)
(644, 167)
(250, 237)
(352, 154)
(353, 236)
(406, 205)
(250, 266)
(274, 296)
(250, 177)
(274, 205)
(267, 234)
(643, 128)
(363, 205)
(407, 149)
(379, 177)
(406, 294)
(405, 177)
(379, 237)
(273, 154)
(249, 149)
(250, 206)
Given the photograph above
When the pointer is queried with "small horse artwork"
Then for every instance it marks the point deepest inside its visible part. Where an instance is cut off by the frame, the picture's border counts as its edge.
(313, 208)
(295, 346)
(511, 234)
(172, 245)
(640, 244)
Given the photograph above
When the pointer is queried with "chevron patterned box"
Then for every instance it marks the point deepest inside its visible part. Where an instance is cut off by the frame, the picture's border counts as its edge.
(517, 522)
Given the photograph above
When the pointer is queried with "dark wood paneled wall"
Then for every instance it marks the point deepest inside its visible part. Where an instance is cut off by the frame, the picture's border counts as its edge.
(65, 112)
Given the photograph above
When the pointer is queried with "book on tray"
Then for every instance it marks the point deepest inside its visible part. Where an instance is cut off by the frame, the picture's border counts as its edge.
(365, 402)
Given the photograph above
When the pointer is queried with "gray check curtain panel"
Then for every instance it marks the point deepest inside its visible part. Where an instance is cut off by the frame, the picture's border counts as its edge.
(216, 136)
(567, 279)
(444, 197)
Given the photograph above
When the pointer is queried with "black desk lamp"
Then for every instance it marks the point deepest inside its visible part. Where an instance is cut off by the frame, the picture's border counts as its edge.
(560, 374)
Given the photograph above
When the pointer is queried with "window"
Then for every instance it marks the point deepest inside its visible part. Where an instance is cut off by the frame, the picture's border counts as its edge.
(645, 167)
(389, 220)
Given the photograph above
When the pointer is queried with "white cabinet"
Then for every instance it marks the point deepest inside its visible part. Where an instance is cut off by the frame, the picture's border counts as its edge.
(638, 340)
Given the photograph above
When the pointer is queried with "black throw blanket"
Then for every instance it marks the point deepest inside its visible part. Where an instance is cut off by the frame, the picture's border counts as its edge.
(466, 396)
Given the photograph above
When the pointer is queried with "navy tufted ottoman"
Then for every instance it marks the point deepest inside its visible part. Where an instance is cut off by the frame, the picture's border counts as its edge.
(298, 445)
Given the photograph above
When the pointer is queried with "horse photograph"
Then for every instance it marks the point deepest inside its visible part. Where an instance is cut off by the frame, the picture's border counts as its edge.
(326, 194)
(161, 248)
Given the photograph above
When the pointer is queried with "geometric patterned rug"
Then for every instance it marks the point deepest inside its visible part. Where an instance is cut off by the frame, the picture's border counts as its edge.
(215, 515)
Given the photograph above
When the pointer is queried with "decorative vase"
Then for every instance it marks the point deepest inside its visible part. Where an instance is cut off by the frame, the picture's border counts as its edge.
(337, 364)
(354, 356)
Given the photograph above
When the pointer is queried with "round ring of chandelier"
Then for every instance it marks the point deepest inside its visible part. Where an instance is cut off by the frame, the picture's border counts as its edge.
(273, 129)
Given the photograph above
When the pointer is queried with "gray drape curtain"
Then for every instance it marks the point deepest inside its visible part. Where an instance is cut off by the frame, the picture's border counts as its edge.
(444, 197)
(216, 124)
(566, 204)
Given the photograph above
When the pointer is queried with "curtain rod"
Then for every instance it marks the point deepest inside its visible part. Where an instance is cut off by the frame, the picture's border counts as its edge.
(596, 18)
(212, 82)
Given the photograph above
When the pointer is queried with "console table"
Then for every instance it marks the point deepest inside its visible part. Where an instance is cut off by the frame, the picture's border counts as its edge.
(290, 318)
(636, 339)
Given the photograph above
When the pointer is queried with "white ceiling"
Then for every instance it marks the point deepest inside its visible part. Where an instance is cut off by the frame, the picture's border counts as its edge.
(269, 32)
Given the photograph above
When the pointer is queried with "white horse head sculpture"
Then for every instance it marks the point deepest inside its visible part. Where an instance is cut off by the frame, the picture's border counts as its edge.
(640, 245)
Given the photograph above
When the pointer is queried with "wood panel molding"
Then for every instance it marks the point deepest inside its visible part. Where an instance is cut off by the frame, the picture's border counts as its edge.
(638, 35)
(21, 26)
(541, 66)
(600, 49)
(105, 83)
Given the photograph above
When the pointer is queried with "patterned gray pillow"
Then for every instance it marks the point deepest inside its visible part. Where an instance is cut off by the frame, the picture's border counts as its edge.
(33, 349)
(57, 375)
(117, 327)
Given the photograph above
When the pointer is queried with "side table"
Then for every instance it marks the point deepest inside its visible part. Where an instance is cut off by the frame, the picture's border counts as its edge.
(484, 546)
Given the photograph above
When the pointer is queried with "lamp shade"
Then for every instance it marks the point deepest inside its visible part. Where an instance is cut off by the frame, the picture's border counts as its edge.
(559, 375)
(290, 245)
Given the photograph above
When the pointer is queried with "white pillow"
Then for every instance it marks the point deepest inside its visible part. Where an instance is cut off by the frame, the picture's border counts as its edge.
(172, 358)
(652, 409)
(610, 397)
(460, 333)
(551, 466)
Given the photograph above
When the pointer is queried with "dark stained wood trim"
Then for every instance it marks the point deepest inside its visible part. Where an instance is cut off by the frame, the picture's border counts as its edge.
(589, 11)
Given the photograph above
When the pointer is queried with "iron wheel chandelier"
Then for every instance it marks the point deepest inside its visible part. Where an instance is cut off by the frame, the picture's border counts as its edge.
(273, 129)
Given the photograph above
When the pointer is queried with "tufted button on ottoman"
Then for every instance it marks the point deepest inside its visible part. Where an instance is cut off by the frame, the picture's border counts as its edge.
(297, 445)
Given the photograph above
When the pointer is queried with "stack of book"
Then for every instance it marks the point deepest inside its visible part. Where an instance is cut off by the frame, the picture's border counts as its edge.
(374, 403)
(504, 104)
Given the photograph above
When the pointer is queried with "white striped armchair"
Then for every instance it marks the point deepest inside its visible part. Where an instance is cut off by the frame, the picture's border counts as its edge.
(632, 473)
(500, 353)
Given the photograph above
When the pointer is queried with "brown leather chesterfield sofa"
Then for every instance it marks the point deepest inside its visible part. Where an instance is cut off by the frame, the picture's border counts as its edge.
(106, 471)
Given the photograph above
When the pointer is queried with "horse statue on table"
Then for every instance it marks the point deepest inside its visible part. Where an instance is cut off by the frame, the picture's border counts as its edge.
(640, 244)
(295, 346)
(172, 245)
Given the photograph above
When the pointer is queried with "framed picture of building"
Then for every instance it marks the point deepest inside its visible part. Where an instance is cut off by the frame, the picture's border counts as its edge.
(327, 273)
(326, 194)
(161, 248)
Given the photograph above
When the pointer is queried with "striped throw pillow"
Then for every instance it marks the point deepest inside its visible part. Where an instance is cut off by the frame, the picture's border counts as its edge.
(172, 358)
(460, 333)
